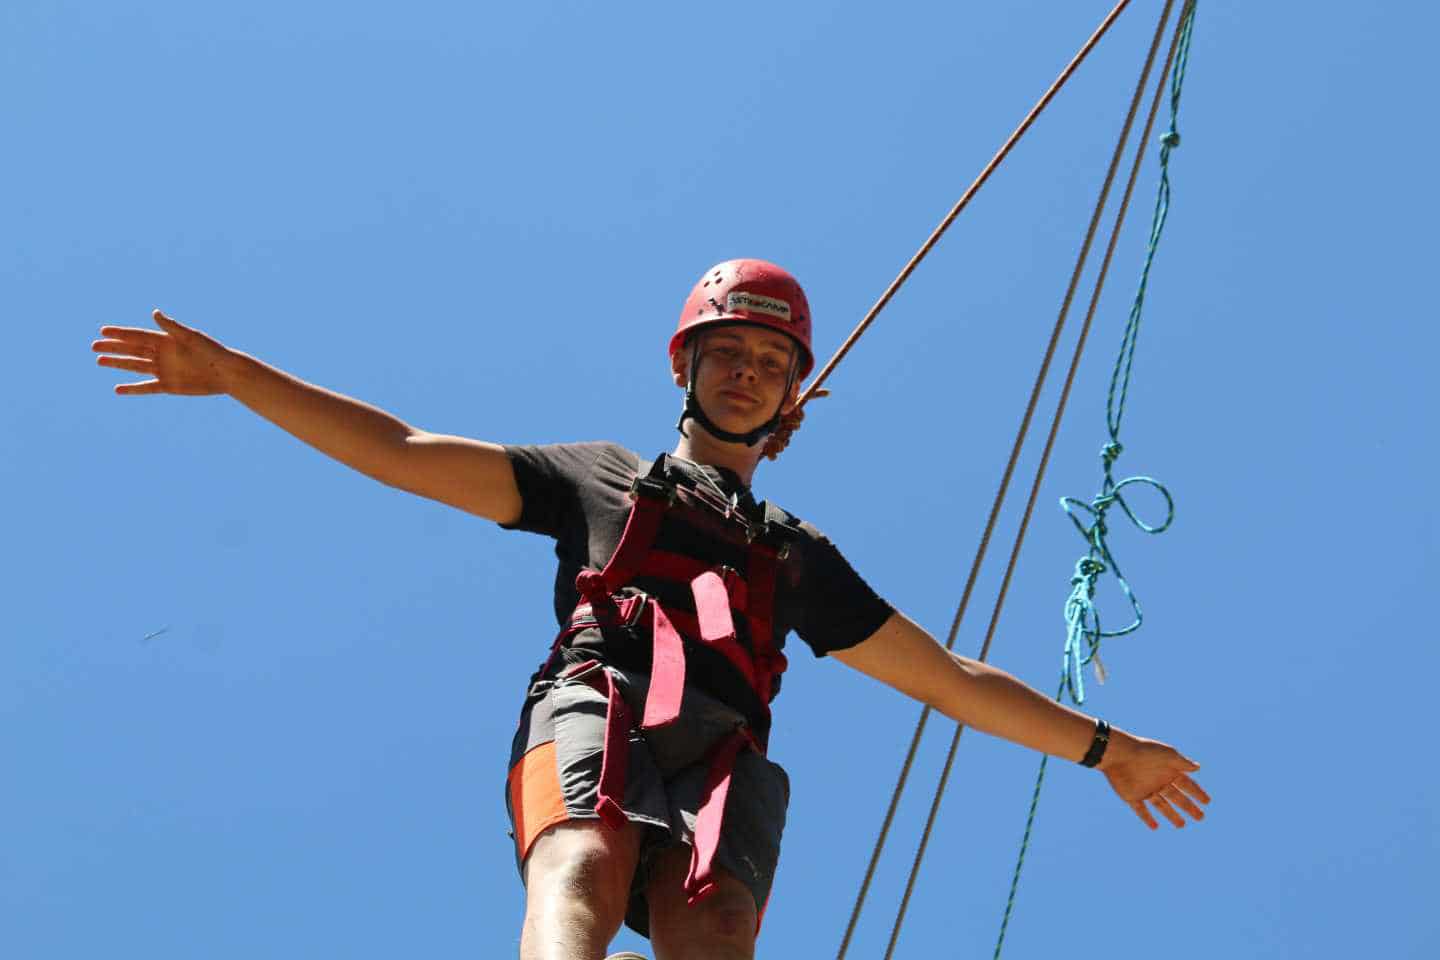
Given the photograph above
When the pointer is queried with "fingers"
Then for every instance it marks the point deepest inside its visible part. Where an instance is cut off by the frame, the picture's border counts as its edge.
(1192, 788)
(171, 325)
(130, 340)
(123, 349)
(1182, 792)
(136, 352)
(127, 339)
(1176, 796)
(1162, 806)
(127, 363)
(1157, 782)
(139, 389)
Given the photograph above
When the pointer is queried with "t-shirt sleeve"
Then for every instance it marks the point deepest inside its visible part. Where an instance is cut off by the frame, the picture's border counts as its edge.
(549, 477)
(837, 608)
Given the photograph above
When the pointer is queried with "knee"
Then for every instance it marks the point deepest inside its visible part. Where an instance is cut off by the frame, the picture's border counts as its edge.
(723, 925)
(581, 868)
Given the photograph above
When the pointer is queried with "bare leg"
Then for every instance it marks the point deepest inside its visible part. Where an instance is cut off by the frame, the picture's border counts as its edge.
(720, 927)
(577, 883)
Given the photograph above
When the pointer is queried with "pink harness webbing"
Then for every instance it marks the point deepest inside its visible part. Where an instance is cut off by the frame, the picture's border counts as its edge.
(718, 590)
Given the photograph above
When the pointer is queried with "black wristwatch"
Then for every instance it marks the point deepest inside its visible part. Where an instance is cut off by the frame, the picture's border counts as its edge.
(1098, 745)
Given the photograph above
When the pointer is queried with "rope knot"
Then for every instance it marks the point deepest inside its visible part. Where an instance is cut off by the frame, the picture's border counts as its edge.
(1111, 452)
(1170, 138)
(776, 443)
(1100, 528)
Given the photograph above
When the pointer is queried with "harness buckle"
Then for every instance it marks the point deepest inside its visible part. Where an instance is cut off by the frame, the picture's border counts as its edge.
(650, 487)
(627, 612)
(582, 672)
(771, 534)
(730, 577)
(632, 608)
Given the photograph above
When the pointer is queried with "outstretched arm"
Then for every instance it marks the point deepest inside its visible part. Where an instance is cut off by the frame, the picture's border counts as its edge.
(904, 656)
(469, 474)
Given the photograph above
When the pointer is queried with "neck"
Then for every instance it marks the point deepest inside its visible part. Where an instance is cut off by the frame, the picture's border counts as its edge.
(698, 445)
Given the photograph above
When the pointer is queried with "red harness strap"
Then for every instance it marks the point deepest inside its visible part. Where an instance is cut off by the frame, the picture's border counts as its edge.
(769, 662)
(667, 672)
(700, 881)
(717, 592)
(615, 759)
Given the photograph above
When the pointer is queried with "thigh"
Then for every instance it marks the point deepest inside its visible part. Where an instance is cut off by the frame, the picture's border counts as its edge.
(584, 861)
(725, 923)
(556, 762)
(720, 927)
(577, 886)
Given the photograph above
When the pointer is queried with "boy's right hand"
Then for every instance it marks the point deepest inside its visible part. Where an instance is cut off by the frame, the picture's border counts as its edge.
(179, 359)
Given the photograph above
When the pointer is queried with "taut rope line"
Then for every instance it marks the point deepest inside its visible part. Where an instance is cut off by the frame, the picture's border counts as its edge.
(1100, 203)
(1088, 568)
(791, 421)
(1015, 450)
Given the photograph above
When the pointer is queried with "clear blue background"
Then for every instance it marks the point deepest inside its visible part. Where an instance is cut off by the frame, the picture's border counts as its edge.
(484, 218)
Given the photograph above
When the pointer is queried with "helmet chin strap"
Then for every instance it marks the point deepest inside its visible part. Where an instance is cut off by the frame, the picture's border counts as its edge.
(694, 411)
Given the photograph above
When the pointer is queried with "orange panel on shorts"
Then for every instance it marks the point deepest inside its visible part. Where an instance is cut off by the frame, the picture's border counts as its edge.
(535, 798)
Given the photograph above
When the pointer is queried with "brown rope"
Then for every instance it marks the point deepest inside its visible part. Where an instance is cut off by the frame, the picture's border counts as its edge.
(1014, 452)
(790, 422)
(1064, 395)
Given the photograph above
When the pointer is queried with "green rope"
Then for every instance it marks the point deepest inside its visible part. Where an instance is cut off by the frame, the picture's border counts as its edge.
(1082, 619)
(1084, 632)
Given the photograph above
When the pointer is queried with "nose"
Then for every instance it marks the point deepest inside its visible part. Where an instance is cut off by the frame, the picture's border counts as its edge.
(743, 368)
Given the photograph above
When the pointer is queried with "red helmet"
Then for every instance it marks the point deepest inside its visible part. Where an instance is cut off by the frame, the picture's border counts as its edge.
(753, 292)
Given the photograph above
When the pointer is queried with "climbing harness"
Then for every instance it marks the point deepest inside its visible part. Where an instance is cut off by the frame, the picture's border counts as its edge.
(656, 580)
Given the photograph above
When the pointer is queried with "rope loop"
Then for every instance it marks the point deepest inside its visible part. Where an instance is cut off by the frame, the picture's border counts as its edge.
(1149, 482)
(1083, 631)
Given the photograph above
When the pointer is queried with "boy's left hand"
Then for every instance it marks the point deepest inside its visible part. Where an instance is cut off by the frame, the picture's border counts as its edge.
(1147, 771)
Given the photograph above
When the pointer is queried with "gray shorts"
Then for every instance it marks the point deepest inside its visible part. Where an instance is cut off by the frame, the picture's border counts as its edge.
(555, 774)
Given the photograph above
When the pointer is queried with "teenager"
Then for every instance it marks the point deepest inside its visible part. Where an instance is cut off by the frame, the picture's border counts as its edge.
(638, 789)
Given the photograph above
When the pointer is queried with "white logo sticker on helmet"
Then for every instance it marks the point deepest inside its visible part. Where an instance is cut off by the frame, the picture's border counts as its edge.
(755, 303)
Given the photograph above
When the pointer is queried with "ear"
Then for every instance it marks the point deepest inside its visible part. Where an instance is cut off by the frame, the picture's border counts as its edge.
(680, 367)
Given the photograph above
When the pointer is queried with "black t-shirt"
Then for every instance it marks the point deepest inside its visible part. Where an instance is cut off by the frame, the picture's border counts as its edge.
(578, 493)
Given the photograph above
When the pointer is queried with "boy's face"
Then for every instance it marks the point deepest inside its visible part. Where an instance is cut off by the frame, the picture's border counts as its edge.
(742, 376)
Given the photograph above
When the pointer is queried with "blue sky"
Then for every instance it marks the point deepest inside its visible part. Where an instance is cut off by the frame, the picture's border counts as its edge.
(484, 219)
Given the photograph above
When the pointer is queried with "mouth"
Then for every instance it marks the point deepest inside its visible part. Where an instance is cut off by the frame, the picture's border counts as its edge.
(739, 396)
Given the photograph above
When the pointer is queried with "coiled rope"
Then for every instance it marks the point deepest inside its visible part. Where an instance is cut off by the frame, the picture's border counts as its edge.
(1083, 631)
